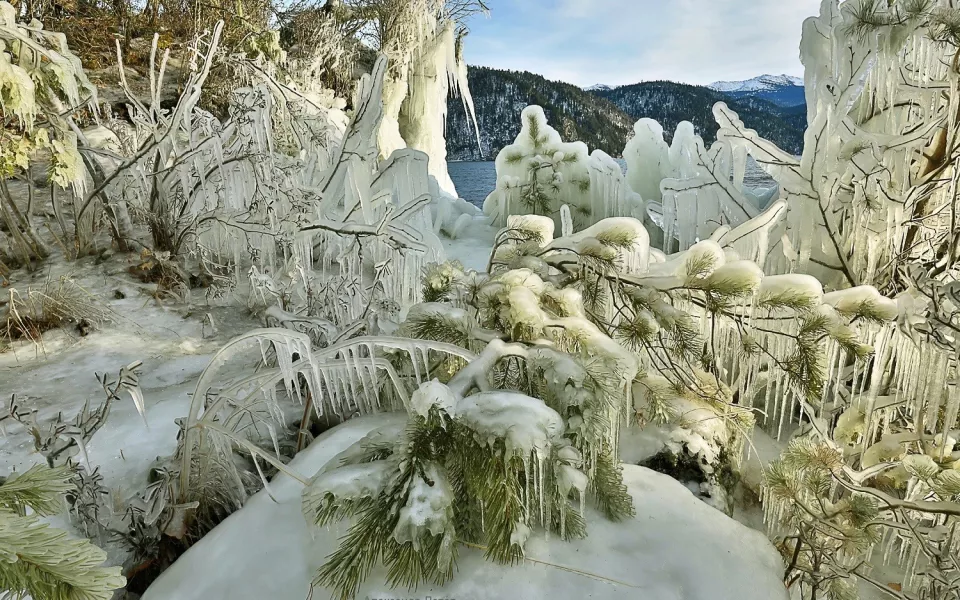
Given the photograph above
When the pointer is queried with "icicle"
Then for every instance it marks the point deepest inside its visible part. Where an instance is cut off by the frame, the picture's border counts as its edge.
(782, 385)
(566, 221)
(412, 351)
(332, 395)
(483, 525)
(527, 485)
(541, 487)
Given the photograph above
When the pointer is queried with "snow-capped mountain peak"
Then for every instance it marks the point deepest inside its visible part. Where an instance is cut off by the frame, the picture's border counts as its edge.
(757, 84)
(782, 90)
(599, 87)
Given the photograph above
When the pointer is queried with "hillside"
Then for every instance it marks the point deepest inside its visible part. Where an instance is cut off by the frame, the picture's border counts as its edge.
(669, 103)
(499, 97)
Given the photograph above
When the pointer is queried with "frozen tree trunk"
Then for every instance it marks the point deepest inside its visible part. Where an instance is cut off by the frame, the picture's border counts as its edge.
(395, 89)
(423, 115)
(29, 245)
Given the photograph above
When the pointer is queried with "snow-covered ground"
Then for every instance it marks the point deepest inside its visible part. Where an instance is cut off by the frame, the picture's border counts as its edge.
(58, 376)
(676, 548)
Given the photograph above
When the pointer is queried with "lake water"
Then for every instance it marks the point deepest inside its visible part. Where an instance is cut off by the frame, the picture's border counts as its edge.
(475, 180)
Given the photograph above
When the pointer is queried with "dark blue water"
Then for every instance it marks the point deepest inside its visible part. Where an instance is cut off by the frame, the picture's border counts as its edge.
(474, 180)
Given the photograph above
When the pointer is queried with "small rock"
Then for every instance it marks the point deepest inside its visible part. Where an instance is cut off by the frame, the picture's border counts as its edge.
(84, 327)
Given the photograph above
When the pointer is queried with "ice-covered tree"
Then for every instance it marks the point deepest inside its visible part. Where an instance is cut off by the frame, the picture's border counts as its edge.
(234, 192)
(867, 206)
(871, 201)
(598, 330)
(42, 85)
(422, 40)
(539, 174)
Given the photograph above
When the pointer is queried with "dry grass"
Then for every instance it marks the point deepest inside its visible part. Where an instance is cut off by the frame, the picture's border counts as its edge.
(158, 268)
(58, 303)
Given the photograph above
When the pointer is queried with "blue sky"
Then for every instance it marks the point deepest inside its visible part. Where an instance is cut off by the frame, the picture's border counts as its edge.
(618, 42)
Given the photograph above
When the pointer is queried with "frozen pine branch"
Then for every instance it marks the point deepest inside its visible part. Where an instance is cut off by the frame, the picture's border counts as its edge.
(41, 561)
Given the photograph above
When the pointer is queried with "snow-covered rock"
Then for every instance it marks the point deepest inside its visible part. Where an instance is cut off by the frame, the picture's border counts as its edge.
(676, 548)
(598, 87)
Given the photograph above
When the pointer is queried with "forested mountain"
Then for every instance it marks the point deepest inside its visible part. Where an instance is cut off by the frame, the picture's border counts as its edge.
(604, 117)
(499, 96)
(669, 103)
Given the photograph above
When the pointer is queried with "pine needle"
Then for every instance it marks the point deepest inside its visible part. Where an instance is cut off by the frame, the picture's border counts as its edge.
(561, 567)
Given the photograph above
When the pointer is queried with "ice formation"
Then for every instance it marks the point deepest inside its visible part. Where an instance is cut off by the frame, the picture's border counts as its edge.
(539, 173)
(349, 482)
(415, 96)
(682, 193)
(429, 509)
(527, 424)
(331, 218)
(688, 191)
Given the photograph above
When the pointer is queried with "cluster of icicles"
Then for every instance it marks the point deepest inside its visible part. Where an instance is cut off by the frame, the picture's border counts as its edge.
(902, 379)
(354, 377)
(874, 102)
(896, 545)
(895, 548)
(911, 79)
(916, 375)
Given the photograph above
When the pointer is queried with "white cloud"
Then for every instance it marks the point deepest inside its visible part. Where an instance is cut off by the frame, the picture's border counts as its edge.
(625, 41)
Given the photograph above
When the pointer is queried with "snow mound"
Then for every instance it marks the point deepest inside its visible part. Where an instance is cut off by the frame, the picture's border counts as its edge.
(676, 548)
